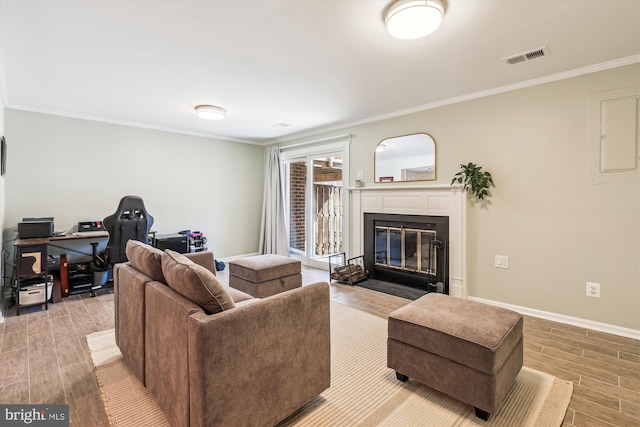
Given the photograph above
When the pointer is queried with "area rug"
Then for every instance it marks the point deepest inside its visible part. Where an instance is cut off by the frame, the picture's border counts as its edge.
(126, 401)
(363, 392)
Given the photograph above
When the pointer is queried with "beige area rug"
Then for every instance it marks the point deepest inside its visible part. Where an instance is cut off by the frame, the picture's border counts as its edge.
(364, 392)
(126, 401)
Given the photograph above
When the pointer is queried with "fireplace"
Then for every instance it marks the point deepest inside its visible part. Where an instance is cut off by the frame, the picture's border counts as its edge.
(410, 250)
(430, 200)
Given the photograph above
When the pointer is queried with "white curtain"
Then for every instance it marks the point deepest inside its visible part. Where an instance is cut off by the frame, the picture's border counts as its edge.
(273, 233)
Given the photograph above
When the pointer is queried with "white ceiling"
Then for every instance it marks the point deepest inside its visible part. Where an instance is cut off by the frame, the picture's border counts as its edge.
(312, 64)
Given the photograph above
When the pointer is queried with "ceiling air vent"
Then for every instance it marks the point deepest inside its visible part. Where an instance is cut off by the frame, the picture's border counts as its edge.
(527, 56)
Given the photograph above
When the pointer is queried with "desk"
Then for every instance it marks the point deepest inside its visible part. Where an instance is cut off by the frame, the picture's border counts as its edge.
(68, 236)
(31, 261)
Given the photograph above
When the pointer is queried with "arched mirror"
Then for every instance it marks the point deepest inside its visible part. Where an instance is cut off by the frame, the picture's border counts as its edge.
(406, 158)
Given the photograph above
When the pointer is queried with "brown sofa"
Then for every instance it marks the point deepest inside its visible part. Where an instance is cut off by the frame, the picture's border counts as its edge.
(212, 355)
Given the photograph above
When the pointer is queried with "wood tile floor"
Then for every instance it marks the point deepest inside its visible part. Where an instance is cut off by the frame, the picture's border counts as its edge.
(44, 357)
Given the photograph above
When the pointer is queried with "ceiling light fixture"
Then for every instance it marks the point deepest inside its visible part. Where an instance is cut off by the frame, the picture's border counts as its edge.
(209, 112)
(412, 19)
(280, 125)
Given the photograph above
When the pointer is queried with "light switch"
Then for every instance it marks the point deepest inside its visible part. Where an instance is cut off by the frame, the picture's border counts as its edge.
(501, 261)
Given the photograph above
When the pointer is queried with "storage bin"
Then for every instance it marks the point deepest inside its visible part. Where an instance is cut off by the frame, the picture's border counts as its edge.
(34, 294)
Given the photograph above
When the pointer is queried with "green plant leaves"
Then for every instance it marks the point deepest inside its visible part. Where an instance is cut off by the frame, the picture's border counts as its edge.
(474, 180)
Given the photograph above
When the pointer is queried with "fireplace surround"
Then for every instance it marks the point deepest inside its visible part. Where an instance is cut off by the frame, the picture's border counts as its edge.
(430, 200)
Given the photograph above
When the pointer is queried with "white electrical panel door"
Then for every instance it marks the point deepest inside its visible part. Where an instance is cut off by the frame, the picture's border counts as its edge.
(618, 134)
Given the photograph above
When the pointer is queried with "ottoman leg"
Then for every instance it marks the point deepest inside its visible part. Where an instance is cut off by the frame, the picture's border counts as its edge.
(483, 415)
(401, 377)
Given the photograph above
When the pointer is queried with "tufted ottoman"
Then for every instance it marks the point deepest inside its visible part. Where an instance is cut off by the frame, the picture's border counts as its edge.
(264, 275)
(468, 350)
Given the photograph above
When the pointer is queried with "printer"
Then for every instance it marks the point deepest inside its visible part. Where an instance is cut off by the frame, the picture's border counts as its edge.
(30, 228)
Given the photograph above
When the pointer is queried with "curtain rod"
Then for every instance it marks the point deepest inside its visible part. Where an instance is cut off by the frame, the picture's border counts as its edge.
(316, 141)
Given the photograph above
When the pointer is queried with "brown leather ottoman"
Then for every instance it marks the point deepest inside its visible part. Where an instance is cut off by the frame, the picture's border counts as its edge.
(264, 275)
(465, 349)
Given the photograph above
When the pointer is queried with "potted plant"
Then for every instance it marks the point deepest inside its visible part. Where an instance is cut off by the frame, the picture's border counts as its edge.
(474, 180)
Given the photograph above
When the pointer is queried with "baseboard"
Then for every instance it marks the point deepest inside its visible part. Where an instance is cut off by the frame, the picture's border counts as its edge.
(569, 320)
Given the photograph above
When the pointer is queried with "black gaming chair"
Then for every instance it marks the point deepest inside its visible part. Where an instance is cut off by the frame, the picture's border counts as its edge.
(130, 221)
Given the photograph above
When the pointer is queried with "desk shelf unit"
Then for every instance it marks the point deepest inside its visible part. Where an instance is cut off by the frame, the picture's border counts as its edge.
(38, 247)
(31, 270)
(80, 278)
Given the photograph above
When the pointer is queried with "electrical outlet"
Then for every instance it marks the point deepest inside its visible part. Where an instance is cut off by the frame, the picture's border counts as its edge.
(593, 289)
(502, 261)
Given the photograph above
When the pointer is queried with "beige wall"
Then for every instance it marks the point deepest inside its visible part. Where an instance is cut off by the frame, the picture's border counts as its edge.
(77, 170)
(558, 231)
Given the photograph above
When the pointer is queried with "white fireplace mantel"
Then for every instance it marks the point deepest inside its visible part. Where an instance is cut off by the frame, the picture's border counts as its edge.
(441, 200)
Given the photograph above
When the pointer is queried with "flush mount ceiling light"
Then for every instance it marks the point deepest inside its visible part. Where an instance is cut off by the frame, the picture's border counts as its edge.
(209, 112)
(412, 19)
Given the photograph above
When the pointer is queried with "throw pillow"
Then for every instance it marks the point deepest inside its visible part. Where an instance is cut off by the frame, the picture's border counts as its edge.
(195, 283)
(145, 259)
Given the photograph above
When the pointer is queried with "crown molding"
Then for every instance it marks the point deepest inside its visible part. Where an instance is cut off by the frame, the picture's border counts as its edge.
(616, 63)
(127, 123)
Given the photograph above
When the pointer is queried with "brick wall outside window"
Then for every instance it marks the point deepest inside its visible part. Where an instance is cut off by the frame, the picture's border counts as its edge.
(297, 223)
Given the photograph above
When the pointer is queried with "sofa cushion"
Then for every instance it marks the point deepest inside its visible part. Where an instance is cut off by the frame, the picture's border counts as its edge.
(145, 259)
(237, 295)
(195, 283)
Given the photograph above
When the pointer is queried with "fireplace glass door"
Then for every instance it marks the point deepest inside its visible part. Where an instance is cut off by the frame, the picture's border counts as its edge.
(406, 249)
